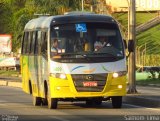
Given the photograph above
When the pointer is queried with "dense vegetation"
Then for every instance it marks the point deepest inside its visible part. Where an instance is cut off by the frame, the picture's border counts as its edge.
(147, 41)
(14, 14)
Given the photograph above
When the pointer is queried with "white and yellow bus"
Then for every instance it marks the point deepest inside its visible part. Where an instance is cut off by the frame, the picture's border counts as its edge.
(78, 70)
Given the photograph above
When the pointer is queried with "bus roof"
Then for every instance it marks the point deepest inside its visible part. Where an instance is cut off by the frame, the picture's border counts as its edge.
(45, 22)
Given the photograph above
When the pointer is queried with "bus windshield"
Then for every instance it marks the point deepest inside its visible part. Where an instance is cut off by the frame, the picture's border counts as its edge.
(100, 41)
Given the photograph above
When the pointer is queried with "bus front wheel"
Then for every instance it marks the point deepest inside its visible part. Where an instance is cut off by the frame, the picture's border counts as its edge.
(37, 101)
(52, 103)
(116, 101)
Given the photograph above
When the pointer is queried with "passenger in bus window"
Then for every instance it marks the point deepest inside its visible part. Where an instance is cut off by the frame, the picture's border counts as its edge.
(101, 42)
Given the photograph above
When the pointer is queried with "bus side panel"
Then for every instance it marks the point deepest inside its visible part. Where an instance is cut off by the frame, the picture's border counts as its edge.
(25, 73)
(43, 74)
(32, 74)
(39, 74)
(40, 81)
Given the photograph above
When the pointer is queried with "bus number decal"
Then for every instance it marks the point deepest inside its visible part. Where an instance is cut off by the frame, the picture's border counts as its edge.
(58, 69)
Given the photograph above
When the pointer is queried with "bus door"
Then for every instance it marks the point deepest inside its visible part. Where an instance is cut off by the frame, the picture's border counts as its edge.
(41, 59)
(37, 63)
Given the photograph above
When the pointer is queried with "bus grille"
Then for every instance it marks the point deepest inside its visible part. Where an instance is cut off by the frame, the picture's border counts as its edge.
(80, 79)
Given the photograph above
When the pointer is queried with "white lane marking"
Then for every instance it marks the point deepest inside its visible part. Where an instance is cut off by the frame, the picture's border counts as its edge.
(3, 101)
(136, 106)
(59, 118)
(2, 104)
(74, 117)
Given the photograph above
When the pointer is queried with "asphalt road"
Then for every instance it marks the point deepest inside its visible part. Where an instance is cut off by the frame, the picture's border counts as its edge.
(16, 105)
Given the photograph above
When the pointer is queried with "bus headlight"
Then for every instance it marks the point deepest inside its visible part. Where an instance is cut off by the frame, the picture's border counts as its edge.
(62, 76)
(120, 86)
(59, 75)
(119, 74)
(115, 75)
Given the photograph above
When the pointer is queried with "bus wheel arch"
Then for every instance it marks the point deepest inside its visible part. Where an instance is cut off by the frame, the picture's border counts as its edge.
(44, 100)
(45, 89)
(36, 100)
(30, 87)
(52, 102)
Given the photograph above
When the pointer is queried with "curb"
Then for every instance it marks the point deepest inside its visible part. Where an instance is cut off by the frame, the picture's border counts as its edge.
(155, 85)
(151, 85)
(15, 84)
(3, 83)
(10, 83)
(141, 100)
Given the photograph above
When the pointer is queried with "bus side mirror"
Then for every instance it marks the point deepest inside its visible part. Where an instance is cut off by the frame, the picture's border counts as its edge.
(125, 43)
(130, 45)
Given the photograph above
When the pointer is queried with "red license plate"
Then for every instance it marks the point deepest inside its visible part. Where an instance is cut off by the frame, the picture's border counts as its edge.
(90, 84)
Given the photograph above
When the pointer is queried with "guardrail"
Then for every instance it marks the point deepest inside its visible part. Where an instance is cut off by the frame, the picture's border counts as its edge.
(147, 25)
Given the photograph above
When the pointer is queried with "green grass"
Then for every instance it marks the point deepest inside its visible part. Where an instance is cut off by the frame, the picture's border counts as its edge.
(146, 78)
(140, 18)
(148, 82)
(9, 73)
(149, 37)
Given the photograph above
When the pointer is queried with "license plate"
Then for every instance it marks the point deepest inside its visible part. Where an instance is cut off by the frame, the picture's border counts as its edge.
(90, 84)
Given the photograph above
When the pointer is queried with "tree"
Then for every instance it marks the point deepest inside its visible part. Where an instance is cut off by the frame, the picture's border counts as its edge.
(16, 13)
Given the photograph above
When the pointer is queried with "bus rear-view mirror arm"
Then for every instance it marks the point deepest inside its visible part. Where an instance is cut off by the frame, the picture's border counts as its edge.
(130, 47)
(125, 43)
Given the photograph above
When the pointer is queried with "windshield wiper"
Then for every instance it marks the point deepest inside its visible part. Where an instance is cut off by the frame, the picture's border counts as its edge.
(109, 54)
(89, 55)
(74, 54)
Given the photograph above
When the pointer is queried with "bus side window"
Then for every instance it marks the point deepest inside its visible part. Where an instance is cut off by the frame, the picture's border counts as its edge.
(33, 42)
(25, 43)
(28, 39)
(38, 42)
(44, 43)
(22, 50)
(30, 42)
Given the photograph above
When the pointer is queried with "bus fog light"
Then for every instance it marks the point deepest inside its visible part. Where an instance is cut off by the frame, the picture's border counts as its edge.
(58, 88)
(115, 75)
(120, 86)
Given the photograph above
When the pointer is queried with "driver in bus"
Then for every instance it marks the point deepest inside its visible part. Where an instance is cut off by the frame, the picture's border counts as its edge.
(101, 42)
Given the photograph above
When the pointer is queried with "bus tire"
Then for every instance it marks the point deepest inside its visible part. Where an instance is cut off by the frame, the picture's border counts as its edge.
(44, 102)
(37, 101)
(52, 103)
(117, 101)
